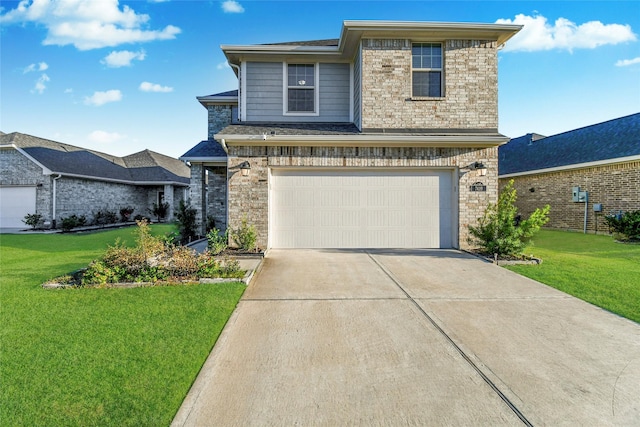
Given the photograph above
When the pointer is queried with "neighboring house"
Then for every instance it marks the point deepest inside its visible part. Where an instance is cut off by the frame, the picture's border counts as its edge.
(602, 159)
(57, 180)
(373, 140)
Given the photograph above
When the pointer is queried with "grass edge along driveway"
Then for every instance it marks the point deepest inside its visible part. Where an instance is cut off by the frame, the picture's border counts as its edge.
(124, 357)
(594, 268)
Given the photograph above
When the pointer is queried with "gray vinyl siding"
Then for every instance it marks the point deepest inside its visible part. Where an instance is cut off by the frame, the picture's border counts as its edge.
(264, 93)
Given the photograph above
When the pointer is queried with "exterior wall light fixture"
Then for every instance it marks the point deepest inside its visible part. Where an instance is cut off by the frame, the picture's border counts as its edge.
(245, 168)
(480, 167)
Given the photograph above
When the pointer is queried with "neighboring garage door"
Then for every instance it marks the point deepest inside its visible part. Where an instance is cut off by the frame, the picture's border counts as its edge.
(370, 208)
(15, 203)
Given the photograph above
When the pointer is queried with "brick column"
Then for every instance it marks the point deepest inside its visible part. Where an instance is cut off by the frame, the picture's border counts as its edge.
(168, 198)
(198, 195)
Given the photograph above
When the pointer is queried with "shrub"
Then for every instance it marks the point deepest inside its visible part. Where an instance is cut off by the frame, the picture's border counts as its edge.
(125, 213)
(211, 223)
(245, 235)
(217, 241)
(32, 220)
(160, 210)
(501, 231)
(186, 221)
(154, 259)
(72, 221)
(626, 226)
(104, 217)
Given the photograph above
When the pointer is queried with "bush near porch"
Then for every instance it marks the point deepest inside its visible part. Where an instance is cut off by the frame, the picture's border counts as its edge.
(121, 357)
(593, 268)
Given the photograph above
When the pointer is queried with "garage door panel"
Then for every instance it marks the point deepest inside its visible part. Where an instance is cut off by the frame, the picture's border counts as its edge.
(360, 208)
(15, 203)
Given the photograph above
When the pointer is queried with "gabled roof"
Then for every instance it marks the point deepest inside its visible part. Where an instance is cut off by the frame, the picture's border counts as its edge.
(143, 168)
(344, 48)
(614, 139)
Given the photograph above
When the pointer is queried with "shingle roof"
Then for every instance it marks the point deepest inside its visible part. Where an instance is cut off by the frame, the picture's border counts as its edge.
(205, 149)
(225, 94)
(143, 167)
(603, 141)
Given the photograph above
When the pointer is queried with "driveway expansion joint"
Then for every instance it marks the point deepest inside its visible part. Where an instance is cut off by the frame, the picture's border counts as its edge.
(462, 353)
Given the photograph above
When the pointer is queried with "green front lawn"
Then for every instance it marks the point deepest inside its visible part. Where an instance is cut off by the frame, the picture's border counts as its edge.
(593, 268)
(121, 357)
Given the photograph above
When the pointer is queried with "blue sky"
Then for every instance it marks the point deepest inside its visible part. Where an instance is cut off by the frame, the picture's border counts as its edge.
(122, 76)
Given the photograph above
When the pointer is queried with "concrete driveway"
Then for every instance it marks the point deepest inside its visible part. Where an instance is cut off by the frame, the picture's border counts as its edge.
(413, 337)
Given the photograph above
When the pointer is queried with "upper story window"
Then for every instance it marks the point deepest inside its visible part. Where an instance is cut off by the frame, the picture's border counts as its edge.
(427, 69)
(301, 90)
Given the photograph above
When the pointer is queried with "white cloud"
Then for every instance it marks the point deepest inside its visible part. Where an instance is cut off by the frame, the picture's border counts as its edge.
(101, 98)
(103, 137)
(151, 87)
(33, 67)
(68, 90)
(627, 62)
(232, 6)
(538, 34)
(41, 84)
(123, 58)
(87, 24)
(223, 65)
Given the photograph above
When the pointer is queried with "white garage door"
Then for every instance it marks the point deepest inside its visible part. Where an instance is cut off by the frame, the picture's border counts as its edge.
(370, 208)
(15, 203)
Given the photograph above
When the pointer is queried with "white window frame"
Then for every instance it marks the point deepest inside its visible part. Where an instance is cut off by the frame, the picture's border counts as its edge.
(440, 70)
(285, 90)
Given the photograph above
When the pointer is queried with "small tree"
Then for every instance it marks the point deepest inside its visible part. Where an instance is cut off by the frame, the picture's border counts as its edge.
(500, 231)
(186, 221)
(32, 220)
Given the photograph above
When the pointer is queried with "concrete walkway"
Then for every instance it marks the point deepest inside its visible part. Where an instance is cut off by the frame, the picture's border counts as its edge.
(422, 337)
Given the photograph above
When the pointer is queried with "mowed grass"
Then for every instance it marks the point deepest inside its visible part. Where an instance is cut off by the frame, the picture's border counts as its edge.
(593, 268)
(120, 357)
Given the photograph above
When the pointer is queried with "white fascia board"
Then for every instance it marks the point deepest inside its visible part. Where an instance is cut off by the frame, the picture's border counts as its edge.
(217, 100)
(365, 140)
(573, 167)
(288, 49)
(45, 170)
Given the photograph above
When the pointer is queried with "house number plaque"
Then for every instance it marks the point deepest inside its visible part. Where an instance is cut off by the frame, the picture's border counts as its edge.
(478, 186)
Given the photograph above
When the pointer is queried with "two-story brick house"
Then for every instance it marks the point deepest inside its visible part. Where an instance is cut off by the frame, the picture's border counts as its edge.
(384, 138)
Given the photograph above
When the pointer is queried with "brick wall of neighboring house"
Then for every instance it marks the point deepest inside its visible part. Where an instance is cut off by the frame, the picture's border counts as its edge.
(248, 196)
(86, 197)
(16, 169)
(470, 95)
(616, 186)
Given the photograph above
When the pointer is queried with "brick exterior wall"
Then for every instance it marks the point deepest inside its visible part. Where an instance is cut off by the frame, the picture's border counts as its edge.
(77, 196)
(16, 169)
(470, 92)
(208, 190)
(616, 186)
(249, 196)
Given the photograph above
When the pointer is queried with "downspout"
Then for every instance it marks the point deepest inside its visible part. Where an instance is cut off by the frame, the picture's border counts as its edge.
(55, 187)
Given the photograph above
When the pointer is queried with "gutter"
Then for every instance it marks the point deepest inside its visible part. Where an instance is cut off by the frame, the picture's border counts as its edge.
(364, 140)
(573, 166)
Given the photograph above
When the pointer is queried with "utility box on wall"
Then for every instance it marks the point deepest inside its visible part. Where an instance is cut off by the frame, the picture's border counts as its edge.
(578, 196)
(597, 207)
